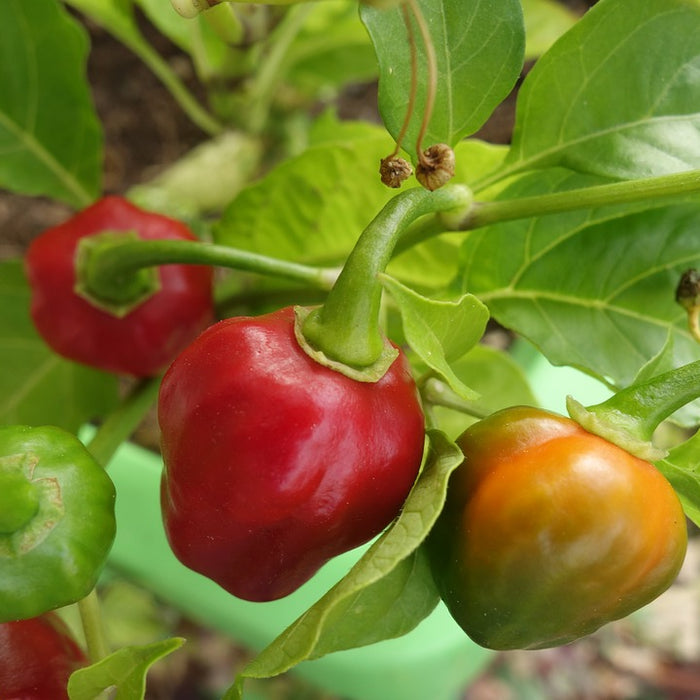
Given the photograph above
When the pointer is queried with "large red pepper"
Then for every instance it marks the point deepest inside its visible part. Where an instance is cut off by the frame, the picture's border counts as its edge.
(37, 656)
(275, 463)
(144, 340)
(550, 531)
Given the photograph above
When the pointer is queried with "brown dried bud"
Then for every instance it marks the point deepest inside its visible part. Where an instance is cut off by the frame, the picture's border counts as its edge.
(394, 171)
(436, 166)
(688, 290)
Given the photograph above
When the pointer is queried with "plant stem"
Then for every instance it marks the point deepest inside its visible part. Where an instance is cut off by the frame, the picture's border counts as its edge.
(346, 328)
(663, 187)
(272, 71)
(628, 191)
(437, 393)
(122, 421)
(107, 266)
(89, 608)
(127, 32)
(189, 104)
(630, 417)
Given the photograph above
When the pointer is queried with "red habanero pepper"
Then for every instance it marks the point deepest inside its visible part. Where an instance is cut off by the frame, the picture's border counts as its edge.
(37, 657)
(274, 463)
(144, 340)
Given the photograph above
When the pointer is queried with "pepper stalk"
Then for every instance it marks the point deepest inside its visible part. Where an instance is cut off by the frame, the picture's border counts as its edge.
(344, 332)
(630, 417)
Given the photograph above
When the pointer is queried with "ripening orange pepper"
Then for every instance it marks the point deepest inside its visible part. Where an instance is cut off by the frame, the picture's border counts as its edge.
(549, 532)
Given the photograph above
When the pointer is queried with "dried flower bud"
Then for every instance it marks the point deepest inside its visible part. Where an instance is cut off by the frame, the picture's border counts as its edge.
(688, 296)
(688, 290)
(436, 166)
(394, 171)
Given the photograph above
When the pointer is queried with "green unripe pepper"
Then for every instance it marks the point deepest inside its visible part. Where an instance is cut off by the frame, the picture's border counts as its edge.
(56, 520)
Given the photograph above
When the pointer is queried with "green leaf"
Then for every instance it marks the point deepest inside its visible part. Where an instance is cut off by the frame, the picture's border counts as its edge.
(592, 289)
(682, 469)
(125, 669)
(440, 332)
(479, 51)
(38, 387)
(386, 594)
(618, 95)
(545, 22)
(312, 208)
(50, 137)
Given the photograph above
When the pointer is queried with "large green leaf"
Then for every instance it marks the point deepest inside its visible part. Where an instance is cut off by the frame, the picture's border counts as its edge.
(37, 386)
(479, 46)
(50, 138)
(617, 95)
(385, 595)
(314, 207)
(593, 289)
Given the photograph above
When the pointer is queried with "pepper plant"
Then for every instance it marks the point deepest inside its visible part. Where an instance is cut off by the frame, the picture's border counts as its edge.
(303, 299)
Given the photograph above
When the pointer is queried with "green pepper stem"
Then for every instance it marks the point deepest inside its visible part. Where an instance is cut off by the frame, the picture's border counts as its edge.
(437, 393)
(103, 274)
(346, 328)
(630, 417)
(123, 420)
(677, 184)
(89, 608)
(272, 66)
(487, 213)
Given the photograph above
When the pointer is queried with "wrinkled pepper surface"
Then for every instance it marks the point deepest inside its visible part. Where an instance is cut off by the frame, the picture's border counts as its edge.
(57, 520)
(549, 532)
(275, 463)
(144, 340)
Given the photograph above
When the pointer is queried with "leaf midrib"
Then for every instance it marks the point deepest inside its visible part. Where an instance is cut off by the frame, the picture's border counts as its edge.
(44, 156)
(510, 294)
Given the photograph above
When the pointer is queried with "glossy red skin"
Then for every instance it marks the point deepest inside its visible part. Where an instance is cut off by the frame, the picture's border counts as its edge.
(274, 463)
(37, 657)
(146, 340)
(549, 532)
